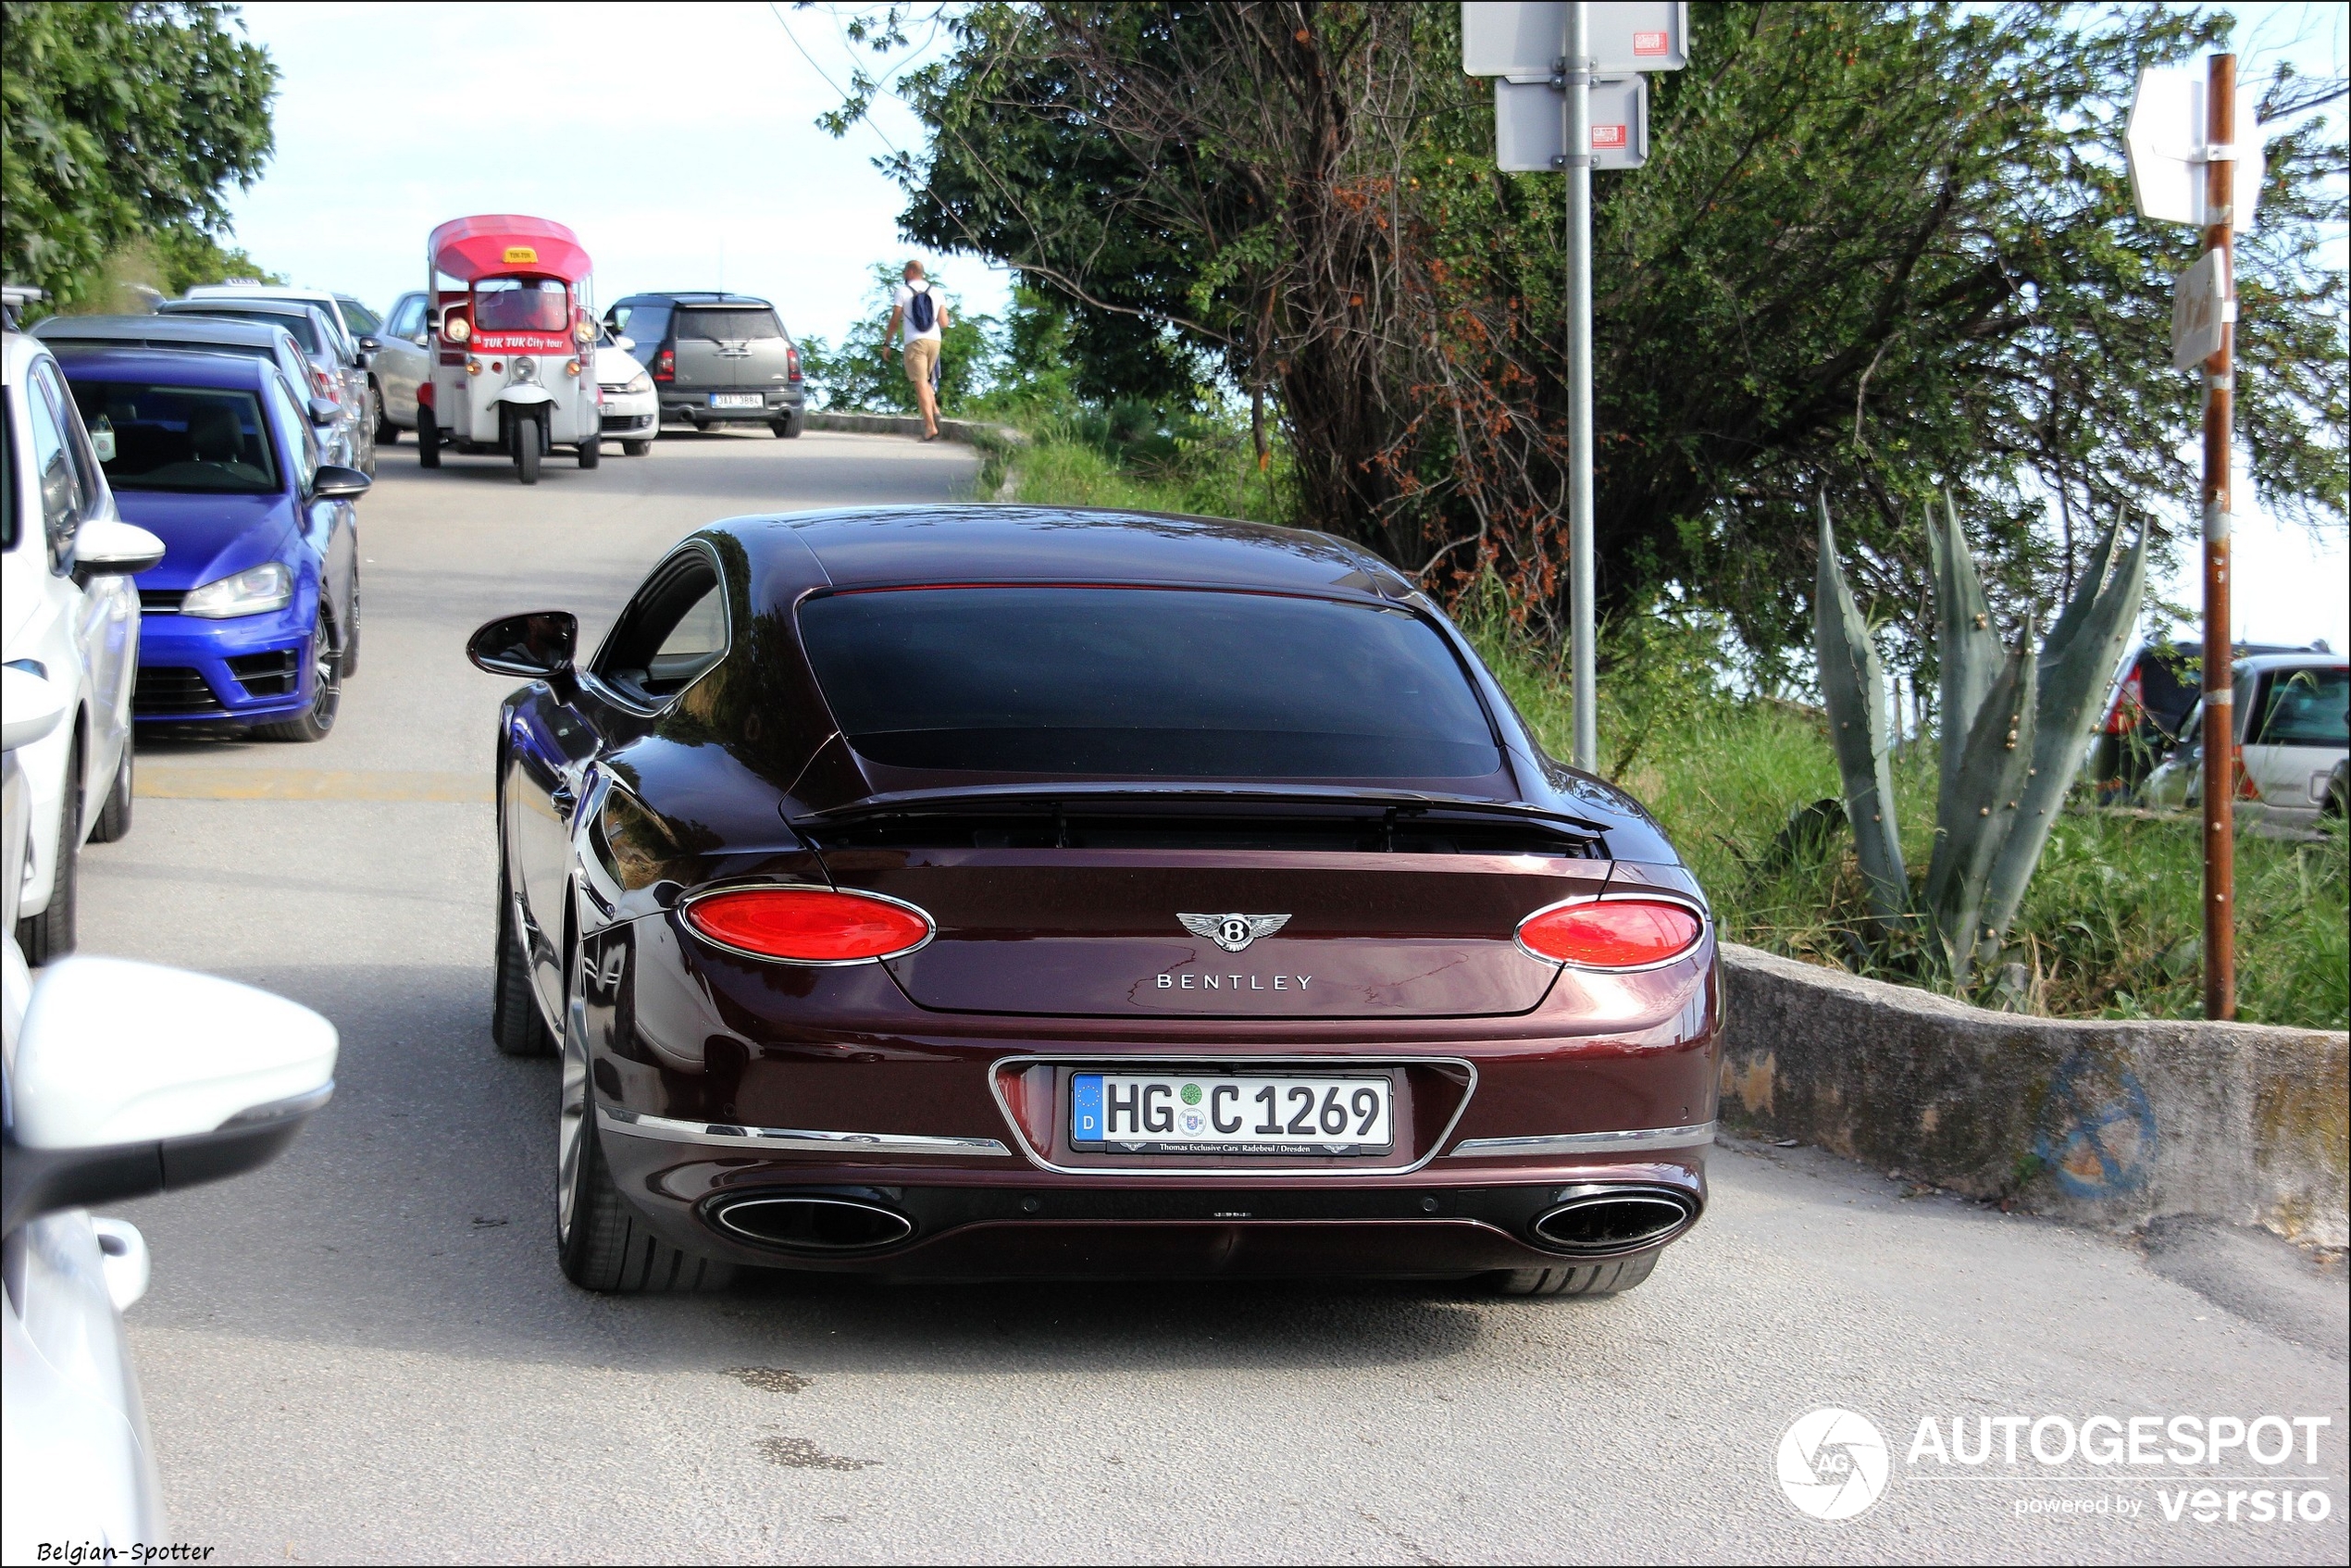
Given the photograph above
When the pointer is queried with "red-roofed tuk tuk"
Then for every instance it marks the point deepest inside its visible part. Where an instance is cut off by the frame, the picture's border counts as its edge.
(513, 343)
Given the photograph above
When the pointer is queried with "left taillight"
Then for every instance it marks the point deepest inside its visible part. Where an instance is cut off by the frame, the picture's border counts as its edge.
(1627, 933)
(792, 365)
(325, 382)
(809, 925)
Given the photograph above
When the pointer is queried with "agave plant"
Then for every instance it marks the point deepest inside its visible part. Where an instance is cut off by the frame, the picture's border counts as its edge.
(2014, 727)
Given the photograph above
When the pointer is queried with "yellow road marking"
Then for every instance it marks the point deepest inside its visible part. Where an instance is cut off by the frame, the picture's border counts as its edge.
(162, 781)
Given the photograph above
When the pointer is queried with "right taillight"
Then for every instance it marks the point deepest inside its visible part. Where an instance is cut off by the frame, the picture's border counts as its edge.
(1629, 933)
(809, 925)
(665, 366)
(792, 365)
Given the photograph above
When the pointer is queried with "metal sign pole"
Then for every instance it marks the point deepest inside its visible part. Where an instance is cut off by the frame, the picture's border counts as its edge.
(1583, 638)
(2219, 708)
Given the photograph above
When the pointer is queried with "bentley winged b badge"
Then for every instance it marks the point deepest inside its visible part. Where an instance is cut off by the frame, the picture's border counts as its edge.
(1233, 932)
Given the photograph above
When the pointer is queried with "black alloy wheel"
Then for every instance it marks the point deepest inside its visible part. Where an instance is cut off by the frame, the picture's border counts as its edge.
(114, 818)
(601, 1242)
(522, 436)
(428, 437)
(317, 721)
(387, 433)
(49, 935)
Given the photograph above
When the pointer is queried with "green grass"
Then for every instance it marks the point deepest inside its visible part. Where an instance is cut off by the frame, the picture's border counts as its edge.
(2110, 926)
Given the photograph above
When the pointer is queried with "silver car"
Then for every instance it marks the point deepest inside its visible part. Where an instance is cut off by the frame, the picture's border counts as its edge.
(337, 371)
(396, 367)
(214, 335)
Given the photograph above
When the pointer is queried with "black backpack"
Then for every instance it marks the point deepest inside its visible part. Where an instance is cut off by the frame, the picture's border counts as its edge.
(922, 311)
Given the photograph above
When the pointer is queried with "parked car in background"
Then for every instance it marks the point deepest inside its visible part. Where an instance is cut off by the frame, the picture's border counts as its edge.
(212, 334)
(2160, 682)
(253, 618)
(68, 615)
(337, 372)
(631, 409)
(122, 1079)
(715, 359)
(396, 368)
(2293, 715)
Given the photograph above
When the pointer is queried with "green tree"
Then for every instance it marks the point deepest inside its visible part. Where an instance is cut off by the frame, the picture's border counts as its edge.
(120, 118)
(864, 371)
(1878, 248)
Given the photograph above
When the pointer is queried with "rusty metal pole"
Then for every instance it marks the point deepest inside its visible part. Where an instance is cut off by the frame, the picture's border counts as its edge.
(2219, 694)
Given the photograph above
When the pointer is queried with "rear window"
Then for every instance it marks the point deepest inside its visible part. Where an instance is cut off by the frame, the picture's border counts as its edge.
(207, 439)
(1145, 683)
(304, 330)
(729, 326)
(2306, 707)
(644, 324)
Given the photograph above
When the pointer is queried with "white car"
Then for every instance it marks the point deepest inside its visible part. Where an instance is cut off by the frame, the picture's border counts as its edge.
(68, 615)
(122, 1079)
(631, 407)
(2293, 715)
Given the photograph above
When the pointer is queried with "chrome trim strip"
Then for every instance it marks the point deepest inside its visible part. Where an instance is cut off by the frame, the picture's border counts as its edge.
(1115, 1061)
(796, 1140)
(1630, 1141)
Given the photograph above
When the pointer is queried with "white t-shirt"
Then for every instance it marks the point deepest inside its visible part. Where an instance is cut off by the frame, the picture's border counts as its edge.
(905, 300)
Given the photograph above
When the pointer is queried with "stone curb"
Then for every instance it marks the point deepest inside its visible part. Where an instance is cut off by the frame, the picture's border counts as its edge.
(969, 431)
(2110, 1122)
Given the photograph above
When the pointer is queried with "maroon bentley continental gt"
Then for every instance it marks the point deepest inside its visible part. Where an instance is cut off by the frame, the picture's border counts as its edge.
(995, 892)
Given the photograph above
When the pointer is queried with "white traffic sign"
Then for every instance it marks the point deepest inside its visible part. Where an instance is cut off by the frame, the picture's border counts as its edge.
(2200, 307)
(2168, 155)
(1530, 125)
(1526, 39)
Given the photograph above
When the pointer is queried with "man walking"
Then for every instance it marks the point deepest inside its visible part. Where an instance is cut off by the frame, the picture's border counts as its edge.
(923, 319)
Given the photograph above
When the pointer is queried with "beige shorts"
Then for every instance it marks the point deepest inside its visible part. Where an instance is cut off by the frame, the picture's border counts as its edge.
(922, 356)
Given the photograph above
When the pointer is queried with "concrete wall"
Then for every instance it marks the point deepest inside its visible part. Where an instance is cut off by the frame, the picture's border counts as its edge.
(2111, 1123)
(910, 424)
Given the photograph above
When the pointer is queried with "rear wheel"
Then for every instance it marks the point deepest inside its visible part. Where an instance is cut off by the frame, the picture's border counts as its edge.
(114, 818)
(523, 436)
(790, 427)
(317, 721)
(592, 451)
(50, 933)
(636, 448)
(1608, 1278)
(601, 1243)
(428, 437)
(387, 433)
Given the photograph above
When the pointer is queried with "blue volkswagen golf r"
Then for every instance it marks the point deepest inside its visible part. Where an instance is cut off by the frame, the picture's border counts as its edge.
(253, 619)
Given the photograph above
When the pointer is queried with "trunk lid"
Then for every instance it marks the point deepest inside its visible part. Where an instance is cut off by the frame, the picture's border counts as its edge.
(1381, 913)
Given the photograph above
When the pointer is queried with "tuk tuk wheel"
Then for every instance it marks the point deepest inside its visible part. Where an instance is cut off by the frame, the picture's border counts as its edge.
(428, 437)
(522, 433)
(592, 451)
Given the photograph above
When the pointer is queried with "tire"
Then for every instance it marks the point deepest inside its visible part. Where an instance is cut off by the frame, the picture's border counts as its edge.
(592, 451)
(636, 448)
(522, 435)
(601, 1244)
(1608, 1278)
(49, 935)
(114, 818)
(790, 427)
(387, 433)
(428, 437)
(317, 721)
(516, 1027)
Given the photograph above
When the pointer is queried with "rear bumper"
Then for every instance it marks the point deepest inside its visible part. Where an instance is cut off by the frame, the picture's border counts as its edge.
(683, 408)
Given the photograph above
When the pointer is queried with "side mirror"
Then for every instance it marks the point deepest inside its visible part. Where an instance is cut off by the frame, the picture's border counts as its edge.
(30, 707)
(133, 1078)
(108, 547)
(325, 411)
(537, 646)
(335, 482)
(624, 344)
(369, 343)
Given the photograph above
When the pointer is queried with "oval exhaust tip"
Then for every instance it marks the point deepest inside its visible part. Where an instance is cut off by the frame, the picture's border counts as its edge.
(1615, 1220)
(816, 1223)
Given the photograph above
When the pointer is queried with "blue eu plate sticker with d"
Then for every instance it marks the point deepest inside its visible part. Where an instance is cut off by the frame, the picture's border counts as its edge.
(1086, 1107)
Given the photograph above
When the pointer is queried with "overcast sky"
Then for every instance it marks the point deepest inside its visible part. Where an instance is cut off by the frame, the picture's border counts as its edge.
(679, 141)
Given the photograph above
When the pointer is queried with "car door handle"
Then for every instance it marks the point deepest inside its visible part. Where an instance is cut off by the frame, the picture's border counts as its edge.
(563, 801)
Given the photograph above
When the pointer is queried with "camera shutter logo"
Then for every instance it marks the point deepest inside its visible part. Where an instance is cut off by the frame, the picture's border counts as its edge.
(1833, 1464)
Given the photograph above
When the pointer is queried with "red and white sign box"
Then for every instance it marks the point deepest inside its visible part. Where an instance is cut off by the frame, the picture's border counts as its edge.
(1530, 124)
(1525, 39)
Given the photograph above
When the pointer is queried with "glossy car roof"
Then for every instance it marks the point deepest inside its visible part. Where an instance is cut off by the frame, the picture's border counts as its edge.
(186, 328)
(170, 365)
(881, 546)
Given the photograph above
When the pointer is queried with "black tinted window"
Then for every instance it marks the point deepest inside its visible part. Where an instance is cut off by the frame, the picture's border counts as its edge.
(357, 316)
(1144, 682)
(205, 439)
(644, 323)
(729, 326)
(2306, 707)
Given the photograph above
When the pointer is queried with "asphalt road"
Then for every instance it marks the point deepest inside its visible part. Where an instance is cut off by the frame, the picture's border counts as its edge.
(366, 1351)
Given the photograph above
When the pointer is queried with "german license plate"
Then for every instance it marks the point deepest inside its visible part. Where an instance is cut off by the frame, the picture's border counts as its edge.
(1232, 1114)
(737, 400)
